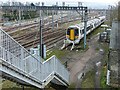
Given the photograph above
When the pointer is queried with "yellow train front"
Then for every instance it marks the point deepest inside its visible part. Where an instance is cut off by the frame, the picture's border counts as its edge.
(72, 36)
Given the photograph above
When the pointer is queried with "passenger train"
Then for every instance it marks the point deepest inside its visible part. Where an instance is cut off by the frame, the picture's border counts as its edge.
(76, 32)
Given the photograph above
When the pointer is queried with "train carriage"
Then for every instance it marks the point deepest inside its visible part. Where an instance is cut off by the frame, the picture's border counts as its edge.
(76, 32)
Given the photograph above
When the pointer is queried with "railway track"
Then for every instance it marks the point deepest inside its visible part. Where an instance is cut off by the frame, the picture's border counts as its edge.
(46, 28)
(28, 39)
(49, 44)
(46, 40)
(12, 30)
(36, 33)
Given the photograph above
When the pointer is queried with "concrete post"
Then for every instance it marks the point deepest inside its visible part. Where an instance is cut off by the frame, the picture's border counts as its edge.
(19, 15)
(40, 31)
(115, 35)
(85, 27)
(114, 54)
(52, 20)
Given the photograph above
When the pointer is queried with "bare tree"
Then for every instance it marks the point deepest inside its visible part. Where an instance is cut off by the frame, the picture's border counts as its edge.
(114, 13)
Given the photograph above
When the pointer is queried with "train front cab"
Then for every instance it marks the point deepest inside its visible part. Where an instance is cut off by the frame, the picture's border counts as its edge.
(72, 34)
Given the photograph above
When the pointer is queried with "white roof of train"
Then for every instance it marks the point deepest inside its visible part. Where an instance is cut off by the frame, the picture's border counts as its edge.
(102, 17)
(81, 25)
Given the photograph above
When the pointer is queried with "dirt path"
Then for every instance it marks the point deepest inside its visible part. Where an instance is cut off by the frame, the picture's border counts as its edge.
(78, 61)
(77, 66)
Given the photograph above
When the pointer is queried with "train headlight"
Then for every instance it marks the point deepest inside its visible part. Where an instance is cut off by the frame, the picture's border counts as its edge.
(76, 37)
(67, 36)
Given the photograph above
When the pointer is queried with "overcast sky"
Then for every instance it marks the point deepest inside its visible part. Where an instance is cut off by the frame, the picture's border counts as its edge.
(104, 1)
(89, 3)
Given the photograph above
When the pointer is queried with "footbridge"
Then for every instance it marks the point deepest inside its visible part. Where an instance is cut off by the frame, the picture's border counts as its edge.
(23, 67)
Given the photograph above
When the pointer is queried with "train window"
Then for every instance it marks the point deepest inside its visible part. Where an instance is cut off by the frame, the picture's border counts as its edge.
(68, 31)
(95, 24)
(89, 27)
(76, 32)
(82, 31)
(75, 29)
(102, 20)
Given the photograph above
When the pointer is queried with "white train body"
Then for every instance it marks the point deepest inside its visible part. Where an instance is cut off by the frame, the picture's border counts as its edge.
(76, 32)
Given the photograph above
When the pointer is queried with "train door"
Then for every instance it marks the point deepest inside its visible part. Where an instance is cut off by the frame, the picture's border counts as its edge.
(72, 34)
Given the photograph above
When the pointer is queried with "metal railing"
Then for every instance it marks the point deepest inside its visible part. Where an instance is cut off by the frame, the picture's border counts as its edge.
(13, 53)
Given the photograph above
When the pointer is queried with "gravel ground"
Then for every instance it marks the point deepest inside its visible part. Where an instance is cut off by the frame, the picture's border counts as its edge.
(79, 62)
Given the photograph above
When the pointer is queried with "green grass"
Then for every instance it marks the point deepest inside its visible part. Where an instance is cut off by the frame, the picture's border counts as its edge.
(82, 45)
(14, 86)
(58, 53)
(95, 32)
(9, 84)
(105, 47)
(97, 49)
(88, 80)
(72, 85)
(107, 22)
(103, 78)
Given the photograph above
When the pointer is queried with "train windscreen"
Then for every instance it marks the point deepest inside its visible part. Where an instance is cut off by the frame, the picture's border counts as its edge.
(75, 30)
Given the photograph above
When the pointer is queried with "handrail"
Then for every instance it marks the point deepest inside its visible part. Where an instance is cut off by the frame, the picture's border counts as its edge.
(15, 54)
(17, 43)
